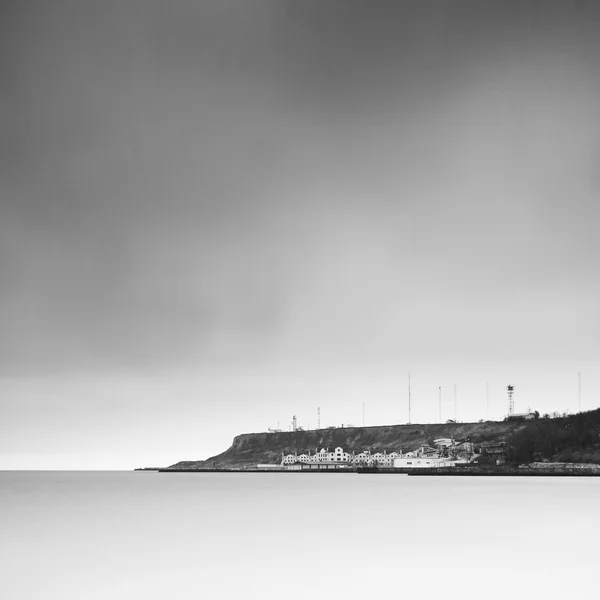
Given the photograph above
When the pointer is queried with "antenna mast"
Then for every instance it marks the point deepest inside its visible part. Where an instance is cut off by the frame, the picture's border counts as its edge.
(409, 397)
(455, 402)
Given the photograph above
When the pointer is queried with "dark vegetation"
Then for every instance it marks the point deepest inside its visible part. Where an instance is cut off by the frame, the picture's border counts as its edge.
(566, 438)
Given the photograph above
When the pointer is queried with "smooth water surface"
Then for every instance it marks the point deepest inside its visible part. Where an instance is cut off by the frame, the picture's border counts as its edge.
(147, 535)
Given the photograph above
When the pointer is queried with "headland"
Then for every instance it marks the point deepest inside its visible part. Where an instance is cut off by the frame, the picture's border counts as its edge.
(573, 439)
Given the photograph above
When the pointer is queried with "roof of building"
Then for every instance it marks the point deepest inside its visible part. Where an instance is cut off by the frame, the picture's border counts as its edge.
(521, 416)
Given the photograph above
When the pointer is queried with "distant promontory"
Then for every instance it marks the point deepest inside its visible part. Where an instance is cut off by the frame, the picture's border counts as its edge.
(571, 438)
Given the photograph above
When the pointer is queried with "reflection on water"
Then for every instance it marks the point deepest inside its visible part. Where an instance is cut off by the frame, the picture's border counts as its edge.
(147, 535)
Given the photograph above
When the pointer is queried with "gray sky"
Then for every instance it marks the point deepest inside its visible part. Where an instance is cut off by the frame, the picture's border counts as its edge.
(215, 215)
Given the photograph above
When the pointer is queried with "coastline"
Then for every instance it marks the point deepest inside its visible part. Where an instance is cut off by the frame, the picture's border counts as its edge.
(471, 471)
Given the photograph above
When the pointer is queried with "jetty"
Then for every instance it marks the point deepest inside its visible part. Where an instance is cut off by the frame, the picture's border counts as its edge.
(533, 470)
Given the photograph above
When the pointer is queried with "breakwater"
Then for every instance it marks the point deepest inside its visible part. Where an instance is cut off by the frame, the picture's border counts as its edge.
(510, 471)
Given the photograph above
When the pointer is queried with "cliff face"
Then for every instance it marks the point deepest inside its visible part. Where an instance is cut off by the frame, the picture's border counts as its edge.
(250, 449)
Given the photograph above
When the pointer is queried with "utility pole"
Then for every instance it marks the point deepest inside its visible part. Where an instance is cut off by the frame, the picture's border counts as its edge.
(440, 400)
(455, 403)
(409, 397)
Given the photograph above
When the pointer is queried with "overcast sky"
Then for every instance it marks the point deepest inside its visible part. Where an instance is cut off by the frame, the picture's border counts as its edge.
(215, 215)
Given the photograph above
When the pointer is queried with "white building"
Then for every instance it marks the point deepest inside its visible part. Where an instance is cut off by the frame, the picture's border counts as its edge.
(320, 456)
(528, 416)
(291, 459)
(422, 458)
(337, 455)
(443, 442)
(320, 466)
(384, 460)
(420, 462)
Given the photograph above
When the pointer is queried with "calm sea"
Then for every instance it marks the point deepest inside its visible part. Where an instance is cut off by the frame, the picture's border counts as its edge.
(146, 535)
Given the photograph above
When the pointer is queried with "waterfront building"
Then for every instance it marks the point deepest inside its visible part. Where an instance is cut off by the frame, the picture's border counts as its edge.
(463, 449)
(428, 452)
(320, 456)
(326, 459)
(290, 459)
(495, 451)
(385, 459)
(416, 462)
(443, 442)
(338, 455)
(363, 459)
(320, 466)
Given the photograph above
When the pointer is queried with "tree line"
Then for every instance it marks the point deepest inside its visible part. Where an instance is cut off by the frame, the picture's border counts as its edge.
(561, 438)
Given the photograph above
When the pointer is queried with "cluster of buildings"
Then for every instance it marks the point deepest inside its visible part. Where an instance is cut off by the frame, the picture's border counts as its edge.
(447, 453)
(338, 458)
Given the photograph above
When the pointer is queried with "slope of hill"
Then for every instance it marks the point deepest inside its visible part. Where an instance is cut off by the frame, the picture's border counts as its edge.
(573, 438)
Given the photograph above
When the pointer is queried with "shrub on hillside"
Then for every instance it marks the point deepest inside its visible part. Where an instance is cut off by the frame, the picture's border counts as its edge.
(567, 437)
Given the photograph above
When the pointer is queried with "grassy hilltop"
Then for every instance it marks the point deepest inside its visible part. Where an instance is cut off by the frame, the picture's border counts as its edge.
(572, 438)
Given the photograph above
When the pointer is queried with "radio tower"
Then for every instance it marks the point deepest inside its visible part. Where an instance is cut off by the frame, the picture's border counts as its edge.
(409, 397)
(455, 411)
(511, 402)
